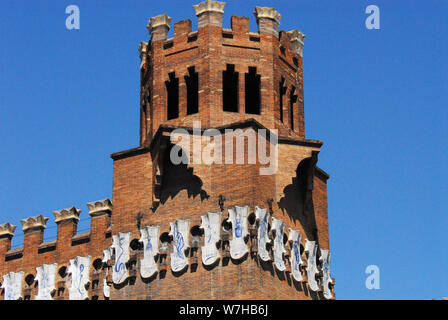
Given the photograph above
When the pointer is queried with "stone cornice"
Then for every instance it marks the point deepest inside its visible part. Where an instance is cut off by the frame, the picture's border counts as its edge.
(209, 6)
(34, 222)
(100, 207)
(267, 13)
(67, 214)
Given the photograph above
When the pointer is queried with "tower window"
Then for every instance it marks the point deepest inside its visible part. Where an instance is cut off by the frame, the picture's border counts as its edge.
(230, 89)
(172, 88)
(282, 91)
(192, 81)
(292, 100)
(252, 86)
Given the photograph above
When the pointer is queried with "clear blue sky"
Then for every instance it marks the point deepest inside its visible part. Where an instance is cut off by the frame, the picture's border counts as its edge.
(378, 98)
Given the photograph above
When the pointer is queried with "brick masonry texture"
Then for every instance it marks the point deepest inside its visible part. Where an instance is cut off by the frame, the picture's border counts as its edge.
(149, 190)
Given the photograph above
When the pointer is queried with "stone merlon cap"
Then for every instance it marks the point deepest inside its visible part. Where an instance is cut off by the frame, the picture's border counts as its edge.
(7, 229)
(159, 21)
(34, 222)
(100, 207)
(297, 39)
(268, 13)
(142, 47)
(67, 214)
(209, 6)
(296, 35)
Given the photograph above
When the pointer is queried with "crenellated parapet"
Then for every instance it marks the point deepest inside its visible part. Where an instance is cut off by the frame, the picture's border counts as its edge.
(68, 244)
(184, 78)
(241, 235)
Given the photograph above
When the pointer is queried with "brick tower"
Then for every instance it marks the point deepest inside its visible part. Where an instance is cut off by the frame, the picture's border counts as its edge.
(222, 79)
(212, 94)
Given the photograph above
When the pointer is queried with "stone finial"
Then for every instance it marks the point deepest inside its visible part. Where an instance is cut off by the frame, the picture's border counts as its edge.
(297, 40)
(67, 214)
(100, 207)
(34, 222)
(268, 20)
(209, 13)
(7, 229)
(158, 27)
(209, 6)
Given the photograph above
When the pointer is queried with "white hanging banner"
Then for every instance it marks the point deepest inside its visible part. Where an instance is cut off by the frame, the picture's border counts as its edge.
(79, 270)
(279, 247)
(211, 223)
(106, 289)
(45, 276)
(121, 247)
(12, 283)
(179, 231)
(311, 248)
(263, 220)
(107, 254)
(149, 236)
(326, 279)
(238, 218)
(296, 260)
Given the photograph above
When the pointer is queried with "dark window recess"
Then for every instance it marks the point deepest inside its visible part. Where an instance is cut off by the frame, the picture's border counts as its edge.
(168, 45)
(252, 86)
(227, 35)
(192, 38)
(292, 100)
(283, 50)
(230, 89)
(172, 88)
(192, 81)
(296, 62)
(255, 39)
(282, 92)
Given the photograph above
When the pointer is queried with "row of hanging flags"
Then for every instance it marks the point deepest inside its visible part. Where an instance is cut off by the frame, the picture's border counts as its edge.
(179, 230)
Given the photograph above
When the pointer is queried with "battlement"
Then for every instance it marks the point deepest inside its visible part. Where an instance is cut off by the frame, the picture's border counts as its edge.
(219, 75)
(67, 245)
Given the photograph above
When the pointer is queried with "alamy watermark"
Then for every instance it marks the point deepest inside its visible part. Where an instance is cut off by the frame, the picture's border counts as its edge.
(73, 21)
(373, 20)
(211, 146)
(373, 280)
